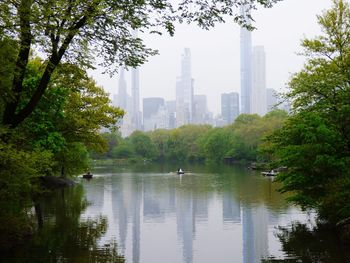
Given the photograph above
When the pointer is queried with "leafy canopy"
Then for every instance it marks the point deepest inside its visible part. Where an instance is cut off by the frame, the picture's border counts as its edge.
(79, 31)
(315, 142)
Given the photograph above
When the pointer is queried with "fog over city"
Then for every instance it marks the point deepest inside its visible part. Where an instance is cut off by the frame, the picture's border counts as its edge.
(216, 53)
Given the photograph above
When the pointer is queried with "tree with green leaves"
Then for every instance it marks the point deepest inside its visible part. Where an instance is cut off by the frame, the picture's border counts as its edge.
(216, 144)
(142, 145)
(53, 140)
(78, 31)
(315, 141)
(68, 119)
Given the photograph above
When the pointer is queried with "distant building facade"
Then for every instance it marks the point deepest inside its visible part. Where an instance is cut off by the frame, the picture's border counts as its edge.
(171, 107)
(246, 66)
(200, 109)
(135, 95)
(229, 107)
(271, 99)
(258, 95)
(184, 91)
(155, 115)
(124, 101)
(122, 97)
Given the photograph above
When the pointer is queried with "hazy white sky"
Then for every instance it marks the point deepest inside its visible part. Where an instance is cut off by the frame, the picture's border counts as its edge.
(216, 53)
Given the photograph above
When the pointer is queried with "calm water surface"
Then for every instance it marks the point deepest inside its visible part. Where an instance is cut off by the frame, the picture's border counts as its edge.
(150, 214)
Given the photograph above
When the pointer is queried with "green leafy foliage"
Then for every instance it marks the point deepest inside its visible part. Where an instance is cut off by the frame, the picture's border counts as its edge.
(53, 140)
(315, 142)
(142, 144)
(198, 143)
(77, 31)
(216, 145)
(17, 169)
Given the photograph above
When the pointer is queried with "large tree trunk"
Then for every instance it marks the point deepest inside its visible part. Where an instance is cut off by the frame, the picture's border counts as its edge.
(12, 115)
(21, 62)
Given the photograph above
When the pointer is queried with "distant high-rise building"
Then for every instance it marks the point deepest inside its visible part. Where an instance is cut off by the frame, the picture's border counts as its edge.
(229, 106)
(200, 110)
(258, 95)
(271, 99)
(151, 106)
(171, 106)
(124, 101)
(184, 91)
(122, 91)
(246, 66)
(153, 111)
(135, 94)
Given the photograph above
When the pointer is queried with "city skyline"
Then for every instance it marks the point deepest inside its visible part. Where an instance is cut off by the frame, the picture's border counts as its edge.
(215, 53)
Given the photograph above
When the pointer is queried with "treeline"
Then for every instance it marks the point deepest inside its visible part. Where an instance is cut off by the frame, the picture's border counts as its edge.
(242, 140)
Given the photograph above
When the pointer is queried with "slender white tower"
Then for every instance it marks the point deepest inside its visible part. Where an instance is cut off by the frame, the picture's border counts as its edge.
(246, 66)
(135, 94)
(184, 91)
(258, 98)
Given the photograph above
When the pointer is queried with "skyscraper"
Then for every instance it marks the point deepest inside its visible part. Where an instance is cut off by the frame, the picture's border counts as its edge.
(135, 94)
(246, 66)
(184, 91)
(153, 113)
(271, 99)
(125, 102)
(122, 93)
(200, 110)
(171, 107)
(229, 106)
(258, 95)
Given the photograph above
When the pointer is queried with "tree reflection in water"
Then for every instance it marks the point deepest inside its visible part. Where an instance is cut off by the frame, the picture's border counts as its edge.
(302, 243)
(63, 236)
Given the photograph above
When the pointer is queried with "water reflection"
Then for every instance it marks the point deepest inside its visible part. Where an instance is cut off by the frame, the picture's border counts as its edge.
(63, 236)
(304, 243)
(157, 216)
(143, 215)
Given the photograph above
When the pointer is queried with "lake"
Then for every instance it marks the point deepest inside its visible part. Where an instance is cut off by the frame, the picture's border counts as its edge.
(148, 213)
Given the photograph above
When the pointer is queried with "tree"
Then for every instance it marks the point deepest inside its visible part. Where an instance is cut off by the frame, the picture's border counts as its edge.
(123, 150)
(216, 144)
(160, 138)
(113, 140)
(315, 142)
(68, 118)
(75, 31)
(142, 145)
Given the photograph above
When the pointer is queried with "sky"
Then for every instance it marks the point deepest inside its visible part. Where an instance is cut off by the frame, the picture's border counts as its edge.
(216, 53)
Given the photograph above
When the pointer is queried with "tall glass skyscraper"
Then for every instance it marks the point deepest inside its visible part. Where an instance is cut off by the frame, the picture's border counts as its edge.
(229, 106)
(246, 66)
(184, 91)
(258, 96)
(135, 94)
(122, 92)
